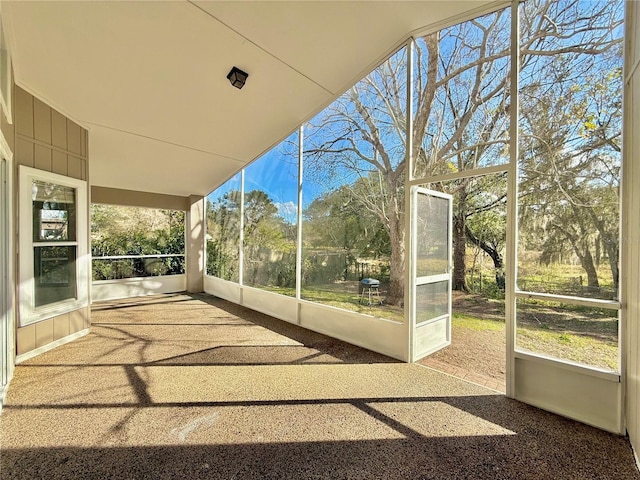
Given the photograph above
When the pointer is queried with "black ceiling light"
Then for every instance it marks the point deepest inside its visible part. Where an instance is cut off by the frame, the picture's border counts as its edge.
(237, 77)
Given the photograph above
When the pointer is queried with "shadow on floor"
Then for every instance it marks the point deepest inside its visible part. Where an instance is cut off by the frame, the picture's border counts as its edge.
(146, 396)
(538, 446)
(304, 345)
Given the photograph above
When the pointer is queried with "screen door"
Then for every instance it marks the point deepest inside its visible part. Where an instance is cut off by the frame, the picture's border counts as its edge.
(431, 214)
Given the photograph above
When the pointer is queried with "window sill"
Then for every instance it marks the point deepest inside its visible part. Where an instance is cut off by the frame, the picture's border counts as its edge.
(51, 310)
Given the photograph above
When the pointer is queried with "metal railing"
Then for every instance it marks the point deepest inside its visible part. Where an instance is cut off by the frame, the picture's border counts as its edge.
(115, 267)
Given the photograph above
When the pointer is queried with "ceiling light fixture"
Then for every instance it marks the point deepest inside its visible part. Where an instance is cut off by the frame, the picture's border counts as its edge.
(237, 77)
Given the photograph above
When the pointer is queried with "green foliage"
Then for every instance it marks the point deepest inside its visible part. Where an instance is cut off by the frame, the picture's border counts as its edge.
(135, 231)
(223, 236)
(341, 220)
(269, 240)
(570, 162)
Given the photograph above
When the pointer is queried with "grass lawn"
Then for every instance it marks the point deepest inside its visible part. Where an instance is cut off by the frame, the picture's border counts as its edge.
(345, 295)
(579, 335)
(564, 279)
(569, 346)
(460, 320)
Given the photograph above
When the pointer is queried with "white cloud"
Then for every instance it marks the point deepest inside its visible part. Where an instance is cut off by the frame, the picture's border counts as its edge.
(287, 210)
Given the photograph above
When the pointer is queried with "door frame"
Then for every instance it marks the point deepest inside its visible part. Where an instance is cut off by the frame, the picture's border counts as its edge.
(439, 326)
(7, 250)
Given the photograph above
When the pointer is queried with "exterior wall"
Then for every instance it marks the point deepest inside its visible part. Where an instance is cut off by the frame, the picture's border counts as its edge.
(631, 225)
(47, 140)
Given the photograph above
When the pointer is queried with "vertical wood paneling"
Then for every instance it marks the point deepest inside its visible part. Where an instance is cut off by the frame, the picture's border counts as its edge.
(41, 121)
(61, 327)
(44, 332)
(24, 113)
(74, 167)
(73, 138)
(24, 154)
(77, 321)
(83, 143)
(59, 164)
(58, 130)
(26, 339)
(42, 159)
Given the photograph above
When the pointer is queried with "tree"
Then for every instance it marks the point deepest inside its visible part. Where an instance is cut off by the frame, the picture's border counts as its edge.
(336, 220)
(462, 99)
(267, 234)
(223, 227)
(570, 155)
(117, 230)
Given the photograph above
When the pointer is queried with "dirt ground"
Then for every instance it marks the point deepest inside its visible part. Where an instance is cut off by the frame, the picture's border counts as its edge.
(479, 356)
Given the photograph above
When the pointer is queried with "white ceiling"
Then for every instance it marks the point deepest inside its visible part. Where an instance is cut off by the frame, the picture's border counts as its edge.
(148, 79)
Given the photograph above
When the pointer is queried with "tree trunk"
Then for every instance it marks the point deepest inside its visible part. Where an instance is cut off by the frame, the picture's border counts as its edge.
(459, 254)
(611, 247)
(613, 253)
(498, 262)
(582, 251)
(397, 267)
(586, 261)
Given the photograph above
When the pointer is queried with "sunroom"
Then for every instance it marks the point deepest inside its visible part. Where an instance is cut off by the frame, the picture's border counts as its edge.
(378, 165)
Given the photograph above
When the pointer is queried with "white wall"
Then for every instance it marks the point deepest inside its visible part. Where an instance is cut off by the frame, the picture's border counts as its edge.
(136, 287)
(586, 395)
(376, 334)
(631, 225)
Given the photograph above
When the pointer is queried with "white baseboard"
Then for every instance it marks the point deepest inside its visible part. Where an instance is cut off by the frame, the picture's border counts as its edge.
(50, 346)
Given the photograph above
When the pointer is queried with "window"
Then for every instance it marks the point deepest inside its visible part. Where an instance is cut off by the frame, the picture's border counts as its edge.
(53, 245)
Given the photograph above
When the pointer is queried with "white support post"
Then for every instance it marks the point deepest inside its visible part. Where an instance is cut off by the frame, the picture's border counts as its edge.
(409, 227)
(195, 231)
(299, 216)
(512, 206)
(241, 237)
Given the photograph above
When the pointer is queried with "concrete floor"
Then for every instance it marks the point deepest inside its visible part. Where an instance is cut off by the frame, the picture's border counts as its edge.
(189, 386)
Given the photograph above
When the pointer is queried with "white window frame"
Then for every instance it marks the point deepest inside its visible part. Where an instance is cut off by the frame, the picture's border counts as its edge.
(28, 312)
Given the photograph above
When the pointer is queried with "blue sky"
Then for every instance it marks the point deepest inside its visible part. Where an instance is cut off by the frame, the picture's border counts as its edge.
(275, 173)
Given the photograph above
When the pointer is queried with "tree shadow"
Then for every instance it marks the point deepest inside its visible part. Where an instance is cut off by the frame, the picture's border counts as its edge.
(539, 445)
